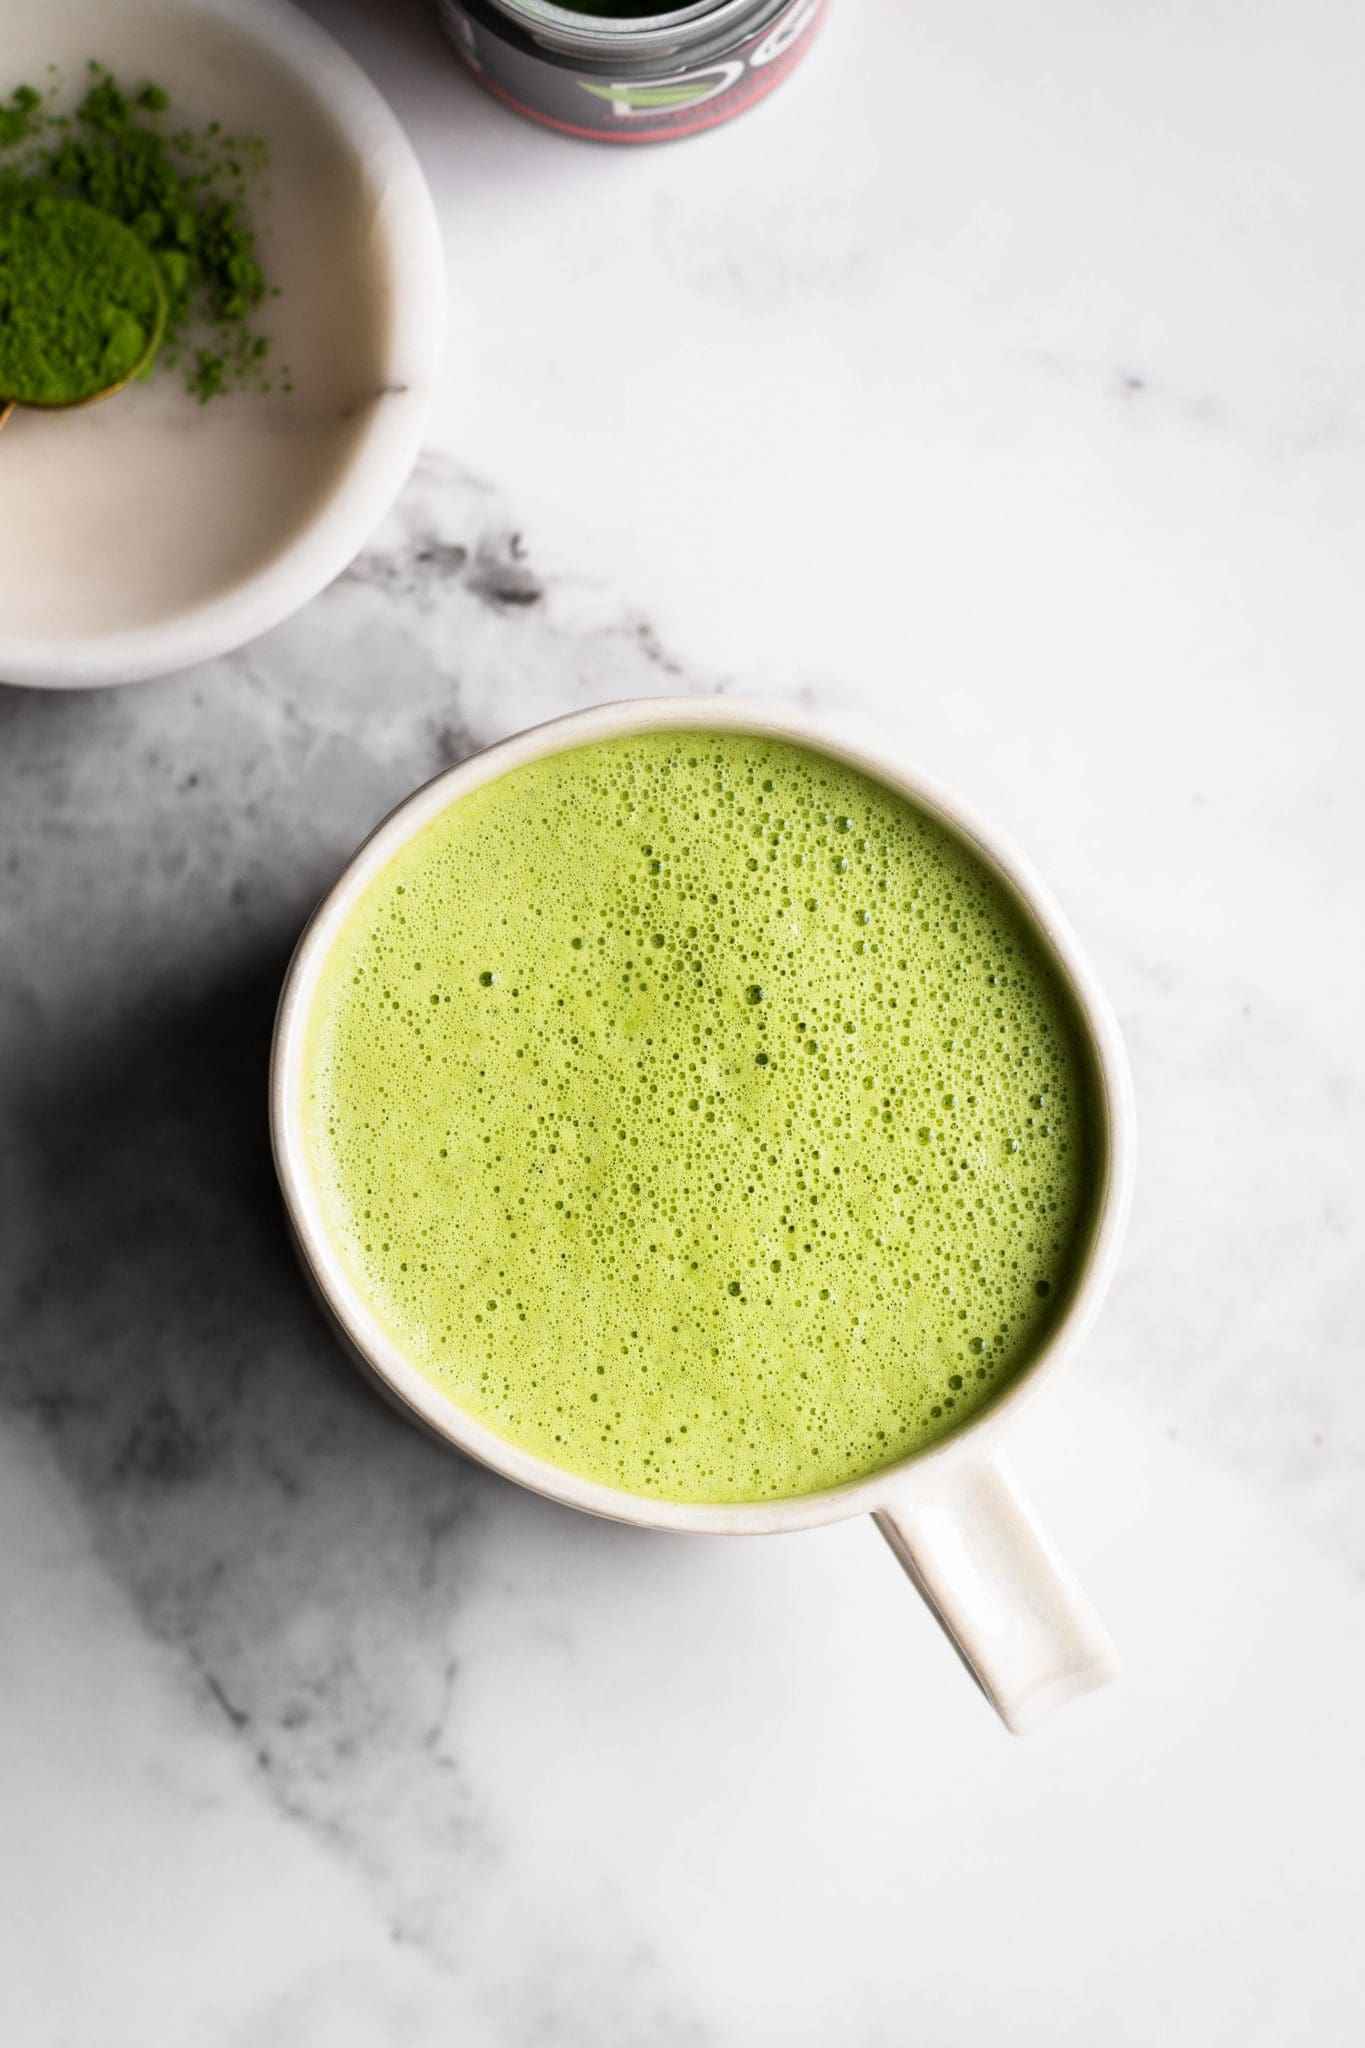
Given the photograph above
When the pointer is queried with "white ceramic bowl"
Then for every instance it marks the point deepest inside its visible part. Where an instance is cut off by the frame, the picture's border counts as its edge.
(150, 532)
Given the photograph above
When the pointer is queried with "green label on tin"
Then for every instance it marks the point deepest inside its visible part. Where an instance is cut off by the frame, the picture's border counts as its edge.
(627, 99)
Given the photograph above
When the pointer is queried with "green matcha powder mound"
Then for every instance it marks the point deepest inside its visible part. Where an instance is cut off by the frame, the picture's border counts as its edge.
(82, 306)
(182, 192)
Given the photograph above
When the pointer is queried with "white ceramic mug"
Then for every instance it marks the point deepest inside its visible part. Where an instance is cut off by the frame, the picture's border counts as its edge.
(953, 1513)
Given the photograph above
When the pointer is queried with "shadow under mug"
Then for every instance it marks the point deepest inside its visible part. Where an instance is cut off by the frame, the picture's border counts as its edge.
(953, 1513)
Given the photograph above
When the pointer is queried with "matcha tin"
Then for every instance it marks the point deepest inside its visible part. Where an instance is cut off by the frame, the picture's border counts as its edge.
(622, 71)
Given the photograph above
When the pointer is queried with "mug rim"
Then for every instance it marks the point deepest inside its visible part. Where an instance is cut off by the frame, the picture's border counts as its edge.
(418, 1397)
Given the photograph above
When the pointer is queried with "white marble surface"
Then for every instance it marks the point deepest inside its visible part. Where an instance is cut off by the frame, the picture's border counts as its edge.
(996, 388)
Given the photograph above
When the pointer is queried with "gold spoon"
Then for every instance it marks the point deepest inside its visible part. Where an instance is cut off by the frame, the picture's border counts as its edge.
(8, 405)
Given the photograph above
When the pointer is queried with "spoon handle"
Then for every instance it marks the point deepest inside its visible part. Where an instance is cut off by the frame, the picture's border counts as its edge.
(6, 408)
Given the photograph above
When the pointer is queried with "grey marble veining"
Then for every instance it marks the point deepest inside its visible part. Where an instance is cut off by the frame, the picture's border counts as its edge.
(301, 1546)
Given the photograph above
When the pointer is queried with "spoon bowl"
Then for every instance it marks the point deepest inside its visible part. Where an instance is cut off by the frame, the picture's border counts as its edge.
(62, 213)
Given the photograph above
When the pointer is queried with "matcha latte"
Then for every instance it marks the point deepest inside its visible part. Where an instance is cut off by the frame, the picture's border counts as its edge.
(701, 1116)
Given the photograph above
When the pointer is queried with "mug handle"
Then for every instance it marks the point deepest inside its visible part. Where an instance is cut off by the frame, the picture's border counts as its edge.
(1013, 1611)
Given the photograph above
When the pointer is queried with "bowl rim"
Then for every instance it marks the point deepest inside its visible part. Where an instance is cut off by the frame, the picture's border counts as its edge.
(407, 1387)
(330, 537)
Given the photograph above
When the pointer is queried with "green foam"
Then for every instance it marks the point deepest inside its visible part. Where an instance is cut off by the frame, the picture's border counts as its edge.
(701, 1116)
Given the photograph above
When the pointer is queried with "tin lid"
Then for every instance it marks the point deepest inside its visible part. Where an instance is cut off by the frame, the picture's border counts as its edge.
(578, 32)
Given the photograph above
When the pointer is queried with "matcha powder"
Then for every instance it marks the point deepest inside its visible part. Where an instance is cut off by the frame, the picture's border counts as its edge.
(183, 193)
(82, 304)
